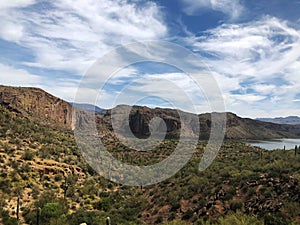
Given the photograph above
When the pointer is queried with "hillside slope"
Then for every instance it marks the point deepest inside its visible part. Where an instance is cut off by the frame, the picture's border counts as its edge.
(46, 109)
(43, 167)
(243, 128)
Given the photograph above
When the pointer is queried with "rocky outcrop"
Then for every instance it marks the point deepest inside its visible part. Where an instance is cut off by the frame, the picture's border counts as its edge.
(36, 103)
(140, 119)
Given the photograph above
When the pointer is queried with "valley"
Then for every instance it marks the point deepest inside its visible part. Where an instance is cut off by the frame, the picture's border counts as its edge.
(42, 166)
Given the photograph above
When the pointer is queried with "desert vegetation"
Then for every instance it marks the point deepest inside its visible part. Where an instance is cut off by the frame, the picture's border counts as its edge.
(43, 167)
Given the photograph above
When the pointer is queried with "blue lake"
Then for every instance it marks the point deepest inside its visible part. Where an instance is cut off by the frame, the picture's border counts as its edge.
(276, 143)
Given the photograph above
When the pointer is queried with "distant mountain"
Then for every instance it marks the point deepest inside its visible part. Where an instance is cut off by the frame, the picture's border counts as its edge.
(293, 120)
(88, 107)
(41, 107)
(245, 128)
(236, 127)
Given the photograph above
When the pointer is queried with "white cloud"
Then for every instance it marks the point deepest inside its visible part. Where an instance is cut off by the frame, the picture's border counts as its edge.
(257, 63)
(249, 49)
(70, 35)
(232, 8)
(63, 88)
(11, 29)
(11, 32)
(177, 89)
(18, 77)
(15, 3)
(265, 89)
(248, 98)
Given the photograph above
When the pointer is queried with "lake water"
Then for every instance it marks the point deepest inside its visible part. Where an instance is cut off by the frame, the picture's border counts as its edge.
(276, 144)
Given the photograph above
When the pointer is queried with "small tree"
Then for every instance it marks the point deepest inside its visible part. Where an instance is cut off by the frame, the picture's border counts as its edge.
(52, 211)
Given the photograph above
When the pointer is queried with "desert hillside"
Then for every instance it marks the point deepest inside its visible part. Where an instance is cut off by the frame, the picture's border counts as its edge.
(42, 169)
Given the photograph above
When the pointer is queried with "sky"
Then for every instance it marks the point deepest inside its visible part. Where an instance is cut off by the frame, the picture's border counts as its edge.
(251, 49)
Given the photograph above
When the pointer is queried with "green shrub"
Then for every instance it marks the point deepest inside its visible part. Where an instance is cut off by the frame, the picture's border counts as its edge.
(28, 155)
(236, 205)
(159, 219)
(239, 218)
(187, 215)
(276, 219)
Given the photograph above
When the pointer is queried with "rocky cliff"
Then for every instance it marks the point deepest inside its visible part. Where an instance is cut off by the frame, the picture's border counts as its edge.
(175, 122)
(38, 104)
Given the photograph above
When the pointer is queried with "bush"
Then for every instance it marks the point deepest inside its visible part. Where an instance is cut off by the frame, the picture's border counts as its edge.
(236, 205)
(51, 210)
(187, 215)
(6, 219)
(175, 206)
(58, 177)
(28, 155)
(230, 193)
(88, 217)
(275, 219)
(159, 220)
(239, 218)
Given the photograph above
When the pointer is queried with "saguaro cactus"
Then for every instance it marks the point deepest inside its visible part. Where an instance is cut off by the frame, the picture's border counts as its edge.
(18, 208)
(65, 187)
(107, 220)
(38, 213)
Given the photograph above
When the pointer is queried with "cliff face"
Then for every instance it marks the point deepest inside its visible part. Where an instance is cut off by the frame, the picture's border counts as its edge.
(140, 119)
(34, 102)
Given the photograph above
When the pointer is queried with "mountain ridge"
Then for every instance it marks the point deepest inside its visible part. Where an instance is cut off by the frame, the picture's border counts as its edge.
(38, 104)
(292, 120)
(88, 107)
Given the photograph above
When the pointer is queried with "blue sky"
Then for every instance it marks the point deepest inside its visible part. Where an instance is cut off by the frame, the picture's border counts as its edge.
(251, 48)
